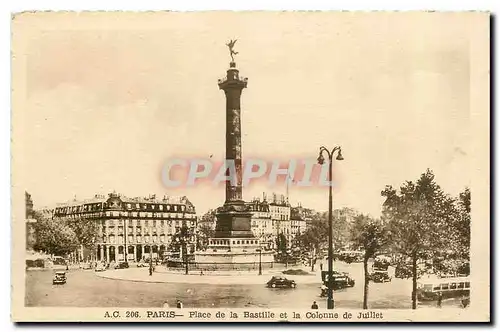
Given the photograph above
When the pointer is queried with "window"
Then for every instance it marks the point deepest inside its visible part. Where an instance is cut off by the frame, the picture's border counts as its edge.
(168, 207)
(129, 206)
(138, 238)
(453, 285)
(153, 206)
(461, 285)
(162, 223)
(467, 284)
(444, 286)
(161, 207)
(438, 287)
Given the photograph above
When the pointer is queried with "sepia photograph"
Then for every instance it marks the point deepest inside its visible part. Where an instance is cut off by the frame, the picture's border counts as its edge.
(251, 166)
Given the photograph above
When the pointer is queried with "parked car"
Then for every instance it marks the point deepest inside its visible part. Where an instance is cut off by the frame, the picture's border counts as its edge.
(380, 276)
(280, 282)
(59, 278)
(87, 266)
(122, 265)
(100, 268)
(341, 280)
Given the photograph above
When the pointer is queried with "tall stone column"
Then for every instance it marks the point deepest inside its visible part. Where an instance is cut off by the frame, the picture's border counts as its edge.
(233, 219)
(233, 85)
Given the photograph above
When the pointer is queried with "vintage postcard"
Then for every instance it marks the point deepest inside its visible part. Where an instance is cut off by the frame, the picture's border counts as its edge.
(251, 166)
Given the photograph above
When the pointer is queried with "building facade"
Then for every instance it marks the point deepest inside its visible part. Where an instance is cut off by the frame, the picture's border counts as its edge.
(133, 229)
(274, 217)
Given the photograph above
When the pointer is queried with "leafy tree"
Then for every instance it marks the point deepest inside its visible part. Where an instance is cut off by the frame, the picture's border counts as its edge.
(313, 238)
(86, 231)
(180, 242)
(55, 237)
(371, 235)
(419, 217)
(463, 224)
(205, 232)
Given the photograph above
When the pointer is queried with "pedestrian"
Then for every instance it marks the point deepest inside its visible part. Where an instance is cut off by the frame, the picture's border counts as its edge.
(321, 266)
(465, 302)
(439, 299)
(150, 270)
(314, 305)
(201, 272)
(179, 304)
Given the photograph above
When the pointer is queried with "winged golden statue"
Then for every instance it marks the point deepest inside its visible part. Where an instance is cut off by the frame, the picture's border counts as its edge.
(232, 52)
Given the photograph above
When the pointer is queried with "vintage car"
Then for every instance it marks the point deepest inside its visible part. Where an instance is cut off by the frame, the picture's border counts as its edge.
(280, 282)
(122, 265)
(142, 264)
(59, 278)
(100, 268)
(341, 280)
(382, 262)
(380, 276)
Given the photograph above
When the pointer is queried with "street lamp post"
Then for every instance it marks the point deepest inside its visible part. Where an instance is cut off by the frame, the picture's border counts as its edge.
(260, 260)
(330, 303)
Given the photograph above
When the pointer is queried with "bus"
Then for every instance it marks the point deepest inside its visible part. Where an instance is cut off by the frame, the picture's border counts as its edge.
(429, 289)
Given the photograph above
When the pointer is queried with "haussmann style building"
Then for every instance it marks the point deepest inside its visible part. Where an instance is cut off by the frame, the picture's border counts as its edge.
(133, 229)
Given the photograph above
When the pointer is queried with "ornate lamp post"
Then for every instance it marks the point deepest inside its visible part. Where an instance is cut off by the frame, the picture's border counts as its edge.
(151, 253)
(330, 304)
(260, 260)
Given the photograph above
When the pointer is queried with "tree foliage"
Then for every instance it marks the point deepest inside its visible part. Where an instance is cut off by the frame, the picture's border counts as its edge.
(420, 217)
(86, 231)
(462, 225)
(55, 236)
(372, 236)
(205, 232)
(314, 236)
(369, 234)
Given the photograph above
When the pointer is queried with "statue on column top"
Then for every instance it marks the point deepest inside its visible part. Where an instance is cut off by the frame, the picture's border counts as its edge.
(232, 52)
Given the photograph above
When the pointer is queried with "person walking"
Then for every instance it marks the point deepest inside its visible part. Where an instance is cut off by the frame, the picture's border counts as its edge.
(439, 299)
(314, 305)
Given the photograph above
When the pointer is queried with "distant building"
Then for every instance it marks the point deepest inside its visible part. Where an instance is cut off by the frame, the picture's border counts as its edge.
(274, 217)
(133, 229)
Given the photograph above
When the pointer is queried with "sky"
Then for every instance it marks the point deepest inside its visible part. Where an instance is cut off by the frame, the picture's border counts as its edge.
(109, 99)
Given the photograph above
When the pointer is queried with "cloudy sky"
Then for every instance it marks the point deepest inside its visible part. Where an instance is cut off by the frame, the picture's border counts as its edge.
(108, 99)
